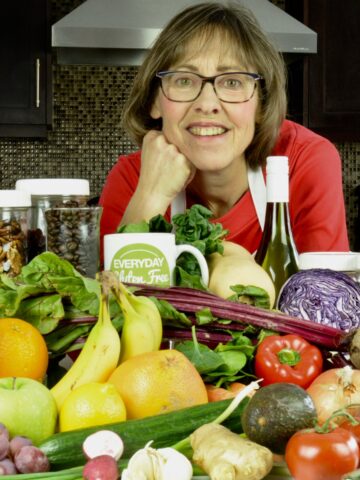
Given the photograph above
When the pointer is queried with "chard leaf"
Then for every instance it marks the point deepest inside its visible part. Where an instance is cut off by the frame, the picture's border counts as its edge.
(51, 273)
(43, 312)
(10, 300)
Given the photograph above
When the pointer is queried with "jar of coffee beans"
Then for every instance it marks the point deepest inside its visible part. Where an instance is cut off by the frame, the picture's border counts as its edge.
(46, 193)
(14, 219)
(74, 234)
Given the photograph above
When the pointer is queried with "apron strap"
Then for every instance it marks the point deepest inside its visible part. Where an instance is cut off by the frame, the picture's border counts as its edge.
(178, 205)
(257, 188)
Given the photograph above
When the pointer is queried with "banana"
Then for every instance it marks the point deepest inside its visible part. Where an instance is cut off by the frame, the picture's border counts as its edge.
(97, 360)
(149, 311)
(142, 328)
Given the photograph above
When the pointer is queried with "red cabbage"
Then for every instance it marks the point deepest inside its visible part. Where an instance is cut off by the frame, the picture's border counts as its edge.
(322, 296)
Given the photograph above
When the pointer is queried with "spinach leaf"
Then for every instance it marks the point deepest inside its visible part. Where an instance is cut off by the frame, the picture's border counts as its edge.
(170, 315)
(250, 294)
(202, 357)
(141, 227)
(194, 227)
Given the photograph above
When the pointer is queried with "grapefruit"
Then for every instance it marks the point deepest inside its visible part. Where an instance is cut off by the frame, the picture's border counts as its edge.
(158, 382)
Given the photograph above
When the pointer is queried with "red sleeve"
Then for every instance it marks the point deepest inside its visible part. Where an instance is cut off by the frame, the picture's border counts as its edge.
(119, 187)
(317, 208)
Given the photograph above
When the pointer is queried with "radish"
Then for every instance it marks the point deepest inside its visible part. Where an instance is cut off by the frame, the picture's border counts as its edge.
(103, 467)
(103, 442)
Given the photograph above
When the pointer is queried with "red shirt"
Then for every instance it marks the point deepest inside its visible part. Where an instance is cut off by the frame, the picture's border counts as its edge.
(316, 202)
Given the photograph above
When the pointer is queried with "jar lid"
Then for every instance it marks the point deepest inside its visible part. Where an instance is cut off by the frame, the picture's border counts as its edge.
(54, 186)
(14, 198)
(340, 261)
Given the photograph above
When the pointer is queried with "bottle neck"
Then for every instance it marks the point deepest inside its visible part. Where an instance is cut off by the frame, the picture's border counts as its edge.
(277, 188)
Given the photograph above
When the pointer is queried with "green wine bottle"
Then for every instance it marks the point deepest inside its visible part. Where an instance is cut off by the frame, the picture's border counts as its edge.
(277, 252)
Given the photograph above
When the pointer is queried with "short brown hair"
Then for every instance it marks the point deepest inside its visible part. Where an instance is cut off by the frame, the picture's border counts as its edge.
(246, 38)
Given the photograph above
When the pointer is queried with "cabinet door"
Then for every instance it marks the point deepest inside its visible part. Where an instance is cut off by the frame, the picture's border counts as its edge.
(25, 83)
(332, 77)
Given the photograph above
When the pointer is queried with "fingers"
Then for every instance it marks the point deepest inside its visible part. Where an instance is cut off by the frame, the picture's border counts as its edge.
(164, 169)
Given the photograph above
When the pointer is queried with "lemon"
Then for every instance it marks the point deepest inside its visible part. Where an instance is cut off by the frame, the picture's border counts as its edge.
(90, 405)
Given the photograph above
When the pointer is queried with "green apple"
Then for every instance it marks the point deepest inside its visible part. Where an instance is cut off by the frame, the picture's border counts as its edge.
(27, 407)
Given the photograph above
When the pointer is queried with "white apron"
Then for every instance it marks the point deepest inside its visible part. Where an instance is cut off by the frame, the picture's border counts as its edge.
(257, 189)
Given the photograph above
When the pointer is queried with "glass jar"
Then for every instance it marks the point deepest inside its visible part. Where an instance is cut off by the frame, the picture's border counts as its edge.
(47, 193)
(14, 220)
(74, 234)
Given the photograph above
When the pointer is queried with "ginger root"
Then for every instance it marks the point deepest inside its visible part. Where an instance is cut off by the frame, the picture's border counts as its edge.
(224, 455)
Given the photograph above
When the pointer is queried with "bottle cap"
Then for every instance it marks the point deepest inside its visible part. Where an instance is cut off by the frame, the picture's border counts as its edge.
(54, 186)
(14, 198)
(277, 164)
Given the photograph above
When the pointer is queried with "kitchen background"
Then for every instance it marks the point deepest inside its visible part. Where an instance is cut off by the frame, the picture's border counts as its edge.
(86, 137)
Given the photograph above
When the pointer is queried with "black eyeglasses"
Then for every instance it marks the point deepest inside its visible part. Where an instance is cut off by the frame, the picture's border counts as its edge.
(230, 87)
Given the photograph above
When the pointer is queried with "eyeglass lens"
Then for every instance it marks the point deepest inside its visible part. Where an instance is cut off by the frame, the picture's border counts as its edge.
(186, 86)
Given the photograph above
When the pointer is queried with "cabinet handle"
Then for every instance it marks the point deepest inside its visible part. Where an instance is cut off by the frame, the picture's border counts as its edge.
(37, 98)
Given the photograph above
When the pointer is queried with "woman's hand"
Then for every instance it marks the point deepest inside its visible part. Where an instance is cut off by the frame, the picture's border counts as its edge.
(164, 170)
(164, 173)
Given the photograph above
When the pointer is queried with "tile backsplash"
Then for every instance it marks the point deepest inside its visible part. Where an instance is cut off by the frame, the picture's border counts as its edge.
(86, 138)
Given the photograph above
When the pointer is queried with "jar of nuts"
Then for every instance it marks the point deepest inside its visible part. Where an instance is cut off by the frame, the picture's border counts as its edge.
(47, 193)
(14, 218)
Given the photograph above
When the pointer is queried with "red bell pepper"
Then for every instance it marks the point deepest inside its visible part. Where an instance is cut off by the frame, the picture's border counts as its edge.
(287, 358)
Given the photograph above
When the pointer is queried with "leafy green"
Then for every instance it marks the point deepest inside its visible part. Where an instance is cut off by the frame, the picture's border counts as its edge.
(202, 357)
(223, 364)
(42, 289)
(141, 227)
(250, 294)
(43, 312)
(169, 314)
(194, 227)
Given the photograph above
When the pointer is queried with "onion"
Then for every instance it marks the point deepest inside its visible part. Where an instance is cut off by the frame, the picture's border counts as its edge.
(335, 389)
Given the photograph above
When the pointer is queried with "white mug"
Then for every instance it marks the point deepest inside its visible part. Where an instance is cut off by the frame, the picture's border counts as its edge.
(147, 258)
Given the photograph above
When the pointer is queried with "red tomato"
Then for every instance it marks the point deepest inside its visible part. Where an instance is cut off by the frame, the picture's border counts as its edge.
(321, 456)
(354, 429)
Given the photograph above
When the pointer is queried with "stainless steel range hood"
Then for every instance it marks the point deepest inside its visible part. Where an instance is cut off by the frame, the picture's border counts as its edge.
(118, 32)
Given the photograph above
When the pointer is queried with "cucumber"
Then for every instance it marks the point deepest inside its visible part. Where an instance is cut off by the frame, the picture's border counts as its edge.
(355, 475)
(275, 413)
(64, 449)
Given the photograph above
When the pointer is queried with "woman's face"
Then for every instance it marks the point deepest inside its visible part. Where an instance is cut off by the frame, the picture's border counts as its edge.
(212, 134)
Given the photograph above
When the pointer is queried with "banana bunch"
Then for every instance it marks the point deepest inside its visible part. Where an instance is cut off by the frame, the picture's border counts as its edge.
(142, 328)
(98, 358)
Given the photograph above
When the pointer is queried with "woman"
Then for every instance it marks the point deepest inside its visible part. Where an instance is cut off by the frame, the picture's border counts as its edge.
(207, 107)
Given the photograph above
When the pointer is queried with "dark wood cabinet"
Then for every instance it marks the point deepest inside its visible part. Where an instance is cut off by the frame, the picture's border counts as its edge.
(324, 87)
(25, 68)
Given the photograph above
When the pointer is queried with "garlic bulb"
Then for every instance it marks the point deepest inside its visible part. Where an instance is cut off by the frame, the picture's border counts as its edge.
(158, 464)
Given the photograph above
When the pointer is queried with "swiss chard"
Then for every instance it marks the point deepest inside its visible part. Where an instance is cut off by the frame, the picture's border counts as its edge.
(38, 294)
